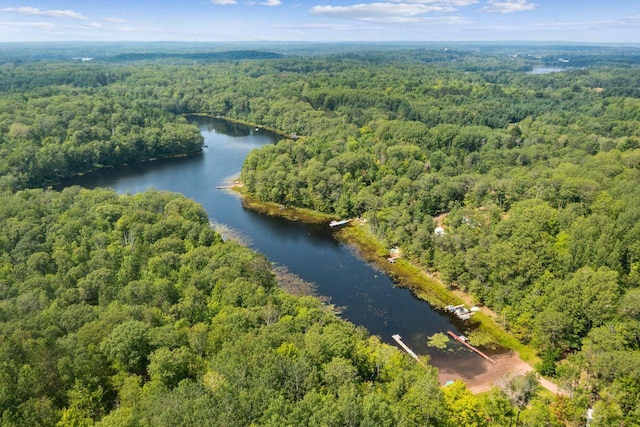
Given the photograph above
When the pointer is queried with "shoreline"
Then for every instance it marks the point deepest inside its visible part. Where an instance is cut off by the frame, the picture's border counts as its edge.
(518, 359)
(427, 287)
(57, 183)
(243, 122)
(423, 284)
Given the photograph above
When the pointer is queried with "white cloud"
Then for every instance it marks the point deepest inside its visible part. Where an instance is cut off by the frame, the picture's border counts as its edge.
(508, 6)
(265, 3)
(611, 24)
(572, 27)
(34, 11)
(443, 3)
(223, 2)
(94, 26)
(621, 29)
(399, 11)
(327, 26)
(115, 20)
(43, 25)
(461, 2)
(124, 30)
(381, 12)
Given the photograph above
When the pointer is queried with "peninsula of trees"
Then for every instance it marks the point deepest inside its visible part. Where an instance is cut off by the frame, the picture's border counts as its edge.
(129, 310)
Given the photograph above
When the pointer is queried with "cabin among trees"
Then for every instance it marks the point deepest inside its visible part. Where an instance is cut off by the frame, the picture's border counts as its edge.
(129, 310)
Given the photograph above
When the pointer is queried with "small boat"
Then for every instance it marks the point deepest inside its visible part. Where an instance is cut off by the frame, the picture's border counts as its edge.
(460, 311)
(338, 223)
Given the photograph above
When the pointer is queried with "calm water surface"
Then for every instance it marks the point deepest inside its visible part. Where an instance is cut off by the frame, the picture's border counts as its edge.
(369, 296)
(546, 70)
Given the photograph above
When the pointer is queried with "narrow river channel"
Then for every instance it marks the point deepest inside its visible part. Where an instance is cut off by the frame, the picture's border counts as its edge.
(368, 296)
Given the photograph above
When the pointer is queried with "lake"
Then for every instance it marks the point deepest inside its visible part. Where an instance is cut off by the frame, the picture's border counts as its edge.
(546, 70)
(368, 296)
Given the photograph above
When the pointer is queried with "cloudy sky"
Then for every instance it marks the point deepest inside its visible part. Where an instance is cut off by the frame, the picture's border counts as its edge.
(320, 20)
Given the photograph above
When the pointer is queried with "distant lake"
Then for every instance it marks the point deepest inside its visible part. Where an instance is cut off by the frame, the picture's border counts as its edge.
(546, 70)
(369, 296)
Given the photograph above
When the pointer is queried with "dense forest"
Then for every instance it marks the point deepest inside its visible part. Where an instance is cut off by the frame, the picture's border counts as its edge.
(534, 178)
(129, 310)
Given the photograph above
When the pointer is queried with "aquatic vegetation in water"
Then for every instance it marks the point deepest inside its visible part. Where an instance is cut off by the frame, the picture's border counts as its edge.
(438, 340)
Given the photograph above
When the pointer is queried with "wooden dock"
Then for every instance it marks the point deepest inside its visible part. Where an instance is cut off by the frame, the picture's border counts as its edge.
(226, 186)
(398, 339)
(457, 338)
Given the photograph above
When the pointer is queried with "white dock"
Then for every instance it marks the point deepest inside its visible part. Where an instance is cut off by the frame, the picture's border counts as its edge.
(398, 339)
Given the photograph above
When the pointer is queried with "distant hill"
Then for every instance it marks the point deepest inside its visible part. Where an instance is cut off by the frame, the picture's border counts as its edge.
(198, 56)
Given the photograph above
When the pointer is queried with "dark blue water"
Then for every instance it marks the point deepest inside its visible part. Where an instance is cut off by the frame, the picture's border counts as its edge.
(368, 296)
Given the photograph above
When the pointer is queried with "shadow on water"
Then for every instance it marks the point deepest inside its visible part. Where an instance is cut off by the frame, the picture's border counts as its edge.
(225, 127)
(369, 297)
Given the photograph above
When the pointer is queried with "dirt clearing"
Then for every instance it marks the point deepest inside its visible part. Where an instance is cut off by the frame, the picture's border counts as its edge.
(485, 374)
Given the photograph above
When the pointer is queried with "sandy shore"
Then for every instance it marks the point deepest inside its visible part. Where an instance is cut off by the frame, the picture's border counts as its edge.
(486, 374)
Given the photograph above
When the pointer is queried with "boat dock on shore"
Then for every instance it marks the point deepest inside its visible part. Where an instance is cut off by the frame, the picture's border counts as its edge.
(463, 340)
(234, 184)
(461, 311)
(397, 338)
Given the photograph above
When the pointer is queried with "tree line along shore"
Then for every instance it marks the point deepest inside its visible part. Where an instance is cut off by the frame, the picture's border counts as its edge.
(536, 174)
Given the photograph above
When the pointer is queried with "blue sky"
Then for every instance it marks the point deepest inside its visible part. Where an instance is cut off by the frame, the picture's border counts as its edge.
(320, 20)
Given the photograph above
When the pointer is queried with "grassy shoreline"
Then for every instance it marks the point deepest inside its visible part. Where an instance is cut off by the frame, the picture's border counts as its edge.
(405, 273)
(276, 209)
(430, 289)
